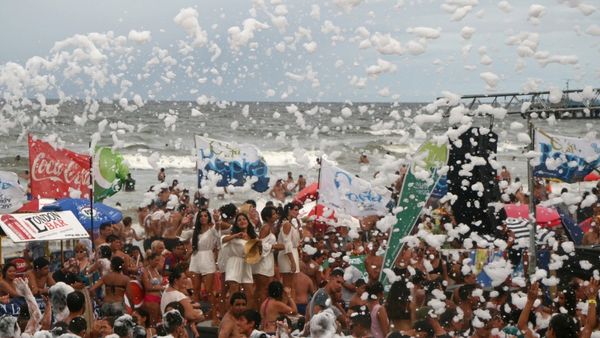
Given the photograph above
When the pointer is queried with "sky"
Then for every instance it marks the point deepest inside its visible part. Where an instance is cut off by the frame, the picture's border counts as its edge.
(339, 50)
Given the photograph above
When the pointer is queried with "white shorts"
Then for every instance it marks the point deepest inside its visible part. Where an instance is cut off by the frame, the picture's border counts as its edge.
(237, 270)
(284, 262)
(203, 262)
(265, 267)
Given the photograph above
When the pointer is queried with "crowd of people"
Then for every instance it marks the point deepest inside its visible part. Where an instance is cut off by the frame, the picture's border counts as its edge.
(271, 273)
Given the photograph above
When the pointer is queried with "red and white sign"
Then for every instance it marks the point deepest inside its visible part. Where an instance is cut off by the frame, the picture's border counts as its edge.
(43, 226)
(54, 172)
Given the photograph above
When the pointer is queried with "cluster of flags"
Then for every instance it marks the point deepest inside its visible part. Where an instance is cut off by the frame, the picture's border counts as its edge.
(58, 173)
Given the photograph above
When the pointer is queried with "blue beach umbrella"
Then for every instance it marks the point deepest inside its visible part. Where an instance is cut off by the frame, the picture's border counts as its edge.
(81, 209)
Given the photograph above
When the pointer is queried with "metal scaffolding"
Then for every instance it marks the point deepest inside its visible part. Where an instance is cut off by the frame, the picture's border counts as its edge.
(571, 105)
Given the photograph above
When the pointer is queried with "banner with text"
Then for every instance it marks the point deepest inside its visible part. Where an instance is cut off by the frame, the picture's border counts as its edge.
(568, 159)
(12, 194)
(416, 190)
(43, 226)
(338, 189)
(54, 173)
(234, 163)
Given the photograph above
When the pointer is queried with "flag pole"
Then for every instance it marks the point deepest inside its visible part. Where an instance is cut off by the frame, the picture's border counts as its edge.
(319, 179)
(92, 196)
(532, 207)
(318, 190)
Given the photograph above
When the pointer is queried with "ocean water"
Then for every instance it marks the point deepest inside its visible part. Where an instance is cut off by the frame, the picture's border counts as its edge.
(291, 136)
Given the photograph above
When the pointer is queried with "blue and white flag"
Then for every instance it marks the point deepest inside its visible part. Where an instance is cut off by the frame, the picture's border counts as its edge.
(340, 190)
(568, 159)
(12, 194)
(234, 163)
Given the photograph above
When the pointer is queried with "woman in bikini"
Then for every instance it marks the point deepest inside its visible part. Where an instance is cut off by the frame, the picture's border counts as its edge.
(115, 283)
(279, 302)
(152, 282)
(84, 263)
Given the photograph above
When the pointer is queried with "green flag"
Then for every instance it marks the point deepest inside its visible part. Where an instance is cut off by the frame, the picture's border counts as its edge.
(413, 196)
(358, 261)
(110, 172)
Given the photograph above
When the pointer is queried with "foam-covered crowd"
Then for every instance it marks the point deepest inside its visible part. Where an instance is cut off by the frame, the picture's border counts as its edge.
(270, 273)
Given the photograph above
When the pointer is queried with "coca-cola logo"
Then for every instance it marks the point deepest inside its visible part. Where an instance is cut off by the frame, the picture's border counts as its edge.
(45, 167)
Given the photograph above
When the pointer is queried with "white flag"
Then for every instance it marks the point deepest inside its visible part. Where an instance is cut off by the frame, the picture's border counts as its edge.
(12, 194)
(338, 189)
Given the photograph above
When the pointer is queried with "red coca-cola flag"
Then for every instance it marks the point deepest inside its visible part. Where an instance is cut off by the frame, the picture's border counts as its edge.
(54, 172)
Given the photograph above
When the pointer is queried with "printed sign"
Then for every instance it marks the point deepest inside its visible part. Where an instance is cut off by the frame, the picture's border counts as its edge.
(12, 194)
(43, 226)
(233, 162)
(413, 196)
(568, 159)
(338, 189)
(55, 172)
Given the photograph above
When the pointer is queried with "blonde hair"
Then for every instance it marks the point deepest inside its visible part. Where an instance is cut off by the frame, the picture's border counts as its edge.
(81, 246)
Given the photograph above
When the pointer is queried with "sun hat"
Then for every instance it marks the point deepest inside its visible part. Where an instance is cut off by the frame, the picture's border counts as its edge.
(252, 251)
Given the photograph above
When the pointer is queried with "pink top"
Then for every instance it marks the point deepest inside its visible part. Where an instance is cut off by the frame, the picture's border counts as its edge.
(376, 330)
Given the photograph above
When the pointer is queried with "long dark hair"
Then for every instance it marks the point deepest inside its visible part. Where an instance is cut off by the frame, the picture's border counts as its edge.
(286, 210)
(398, 301)
(564, 326)
(249, 230)
(6, 267)
(198, 228)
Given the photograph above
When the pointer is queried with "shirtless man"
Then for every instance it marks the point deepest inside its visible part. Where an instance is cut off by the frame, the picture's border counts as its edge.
(39, 278)
(105, 231)
(174, 226)
(373, 263)
(228, 327)
(278, 191)
(154, 225)
(301, 184)
(289, 185)
(312, 266)
(505, 175)
(304, 287)
(161, 175)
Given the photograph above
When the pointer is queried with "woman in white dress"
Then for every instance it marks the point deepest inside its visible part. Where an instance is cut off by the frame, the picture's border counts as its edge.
(237, 271)
(264, 270)
(205, 240)
(289, 237)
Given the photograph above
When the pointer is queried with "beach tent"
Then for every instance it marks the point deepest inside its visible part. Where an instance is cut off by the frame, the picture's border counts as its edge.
(82, 210)
(545, 217)
(310, 192)
(323, 217)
